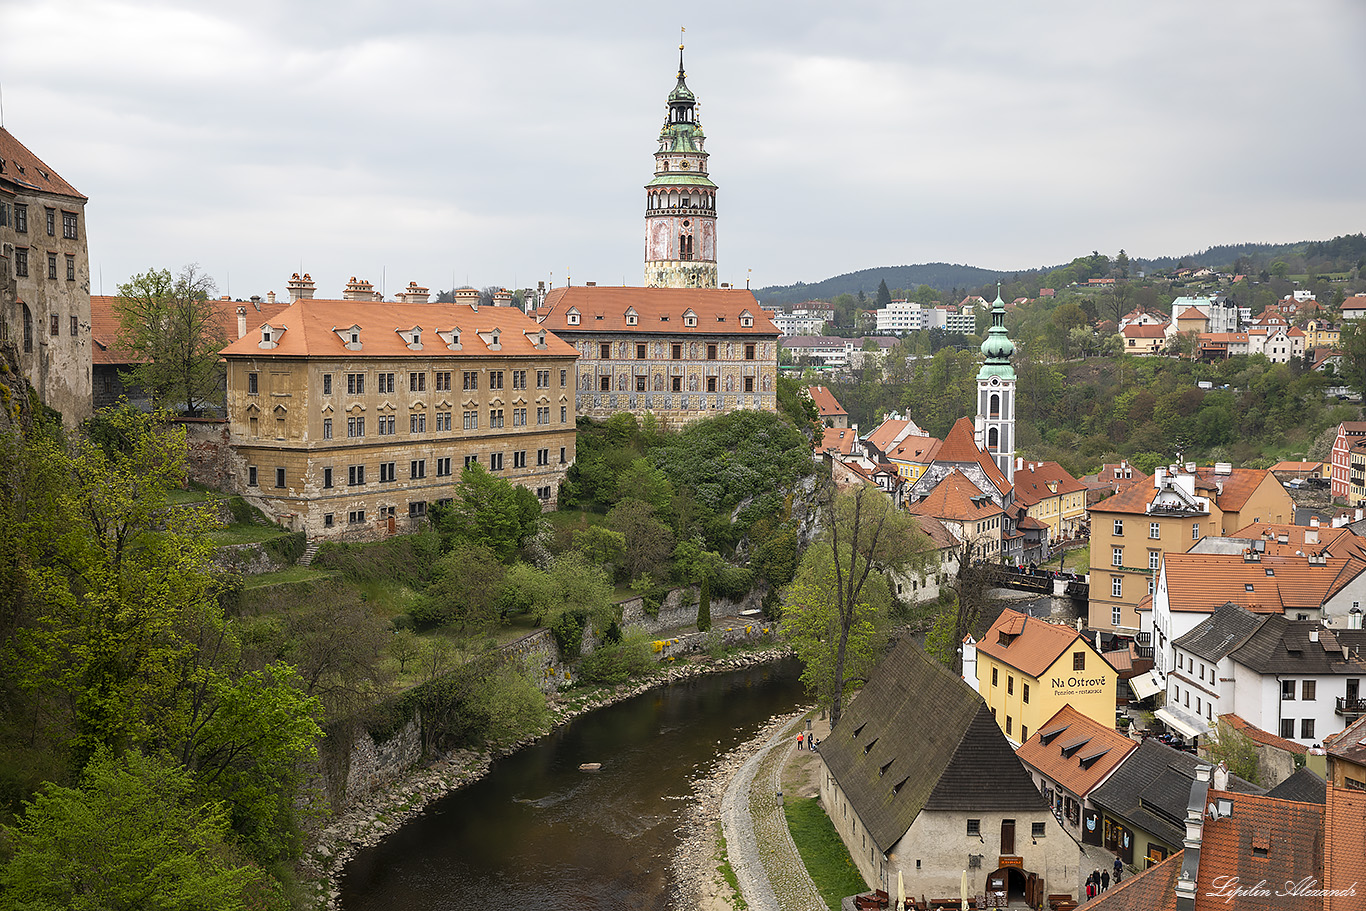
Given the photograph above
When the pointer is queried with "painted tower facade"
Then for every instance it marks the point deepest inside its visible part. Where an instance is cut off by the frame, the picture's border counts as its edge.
(680, 203)
(995, 428)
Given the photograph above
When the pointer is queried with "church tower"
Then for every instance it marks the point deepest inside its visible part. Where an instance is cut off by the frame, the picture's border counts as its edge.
(996, 393)
(680, 203)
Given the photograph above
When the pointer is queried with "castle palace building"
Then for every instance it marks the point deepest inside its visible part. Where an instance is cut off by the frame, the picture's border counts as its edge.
(45, 280)
(679, 353)
(347, 418)
(680, 203)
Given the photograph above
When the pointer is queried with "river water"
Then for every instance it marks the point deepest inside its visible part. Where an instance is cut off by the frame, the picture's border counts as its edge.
(536, 833)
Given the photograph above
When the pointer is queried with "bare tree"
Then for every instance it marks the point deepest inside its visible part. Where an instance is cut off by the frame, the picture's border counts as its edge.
(169, 325)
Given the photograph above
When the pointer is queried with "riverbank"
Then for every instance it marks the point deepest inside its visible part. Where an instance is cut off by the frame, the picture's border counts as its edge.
(382, 814)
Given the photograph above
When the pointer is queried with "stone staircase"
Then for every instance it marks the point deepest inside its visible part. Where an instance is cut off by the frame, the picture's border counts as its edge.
(310, 552)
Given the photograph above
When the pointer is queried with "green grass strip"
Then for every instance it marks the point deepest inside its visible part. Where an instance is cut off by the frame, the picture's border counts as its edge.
(826, 858)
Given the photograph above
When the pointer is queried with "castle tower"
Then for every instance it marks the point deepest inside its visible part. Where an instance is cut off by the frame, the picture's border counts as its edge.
(680, 203)
(996, 393)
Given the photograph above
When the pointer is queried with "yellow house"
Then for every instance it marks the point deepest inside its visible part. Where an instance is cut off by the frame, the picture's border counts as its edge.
(1320, 333)
(1051, 495)
(1027, 669)
(913, 455)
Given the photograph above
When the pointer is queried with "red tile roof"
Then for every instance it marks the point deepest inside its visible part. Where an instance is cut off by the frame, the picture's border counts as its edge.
(1262, 840)
(1035, 645)
(918, 449)
(1344, 849)
(1033, 480)
(603, 309)
(885, 434)
(1079, 752)
(1204, 582)
(1238, 486)
(840, 439)
(105, 328)
(1154, 889)
(1135, 330)
(825, 402)
(1349, 743)
(1338, 542)
(27, 172)
(957, 499)
(960, 446)
(309, 328)
(1266, 738)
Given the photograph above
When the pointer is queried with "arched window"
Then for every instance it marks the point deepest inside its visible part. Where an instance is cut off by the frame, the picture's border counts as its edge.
(28, 329)
(995, 405)
(993, 440)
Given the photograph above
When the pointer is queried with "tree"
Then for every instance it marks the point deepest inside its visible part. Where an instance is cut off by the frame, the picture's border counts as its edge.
(1354, 355)
(465, 593)
(831, 608)
(487, 510)
(884, 297)
(649, 542)
(170, 326)
(1236, 750)
(134, 836)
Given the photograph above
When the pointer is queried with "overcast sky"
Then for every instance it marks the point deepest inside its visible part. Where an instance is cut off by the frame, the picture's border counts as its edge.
(502, 143)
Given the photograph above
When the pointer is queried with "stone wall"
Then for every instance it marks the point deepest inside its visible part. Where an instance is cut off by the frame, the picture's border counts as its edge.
(248, 559)
(373, 765)
(207, 460)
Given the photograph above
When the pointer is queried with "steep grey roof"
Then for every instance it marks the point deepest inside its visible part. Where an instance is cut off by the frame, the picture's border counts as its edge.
(1221, 632)
(1304, 786)
(918, 737)
(1152, 787)
(1282, 646)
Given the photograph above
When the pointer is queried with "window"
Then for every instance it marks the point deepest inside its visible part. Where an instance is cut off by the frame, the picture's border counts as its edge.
(1119, 527)
(1287, 690)
(495, 461)
(279, 477)
(251, 476)
(443, 421)
(561, 455)
(519, 379)
(1009, 721)
(1116, 614)
(327, 520)
(1154, 530)
(519, 417)
(1306, 728)
(495, 379)
(253, 387)
(443, 467)
(327, 384)
(1010, 684)
(543, 414)
(327, 477)
(711, 384)
(327, 428)
(974, 827)
(355, 475)
(417, 423)
(20, 218)
(20, 262)
(1038, 830)
(564, 377)
(51, 222)
(1288, 728)
(995, 671)
(543, 457)
(386, 425)
(519, 458)
(69, 225)
(495, 418)
(387, 472)
(711, 352)
(1153, 557)
(417, 469)
(70, 267)
(470, 380)
(443, 381)
(417, 509)
(55, 325)
(355, 427)
(1152, 585)
(543, 492)
(52, 266)
(605, 384)
(1024, 735)
(542, 379)
(1078, 661)
(471, 420)
(564, 413)
(1025, 694)
(605, 351)
(749, 352)
(355, 384)
(640, 351)
(417, 382)
(355, 516)
(676, 352)
(1195, 531)
(471, 460)
(678, 384)
(640, 383)
(255, 428)
(749, 384)
(1307, 690)
(1116, 556)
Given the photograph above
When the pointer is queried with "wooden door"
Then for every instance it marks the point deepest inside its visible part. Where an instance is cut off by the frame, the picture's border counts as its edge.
(1007, 836)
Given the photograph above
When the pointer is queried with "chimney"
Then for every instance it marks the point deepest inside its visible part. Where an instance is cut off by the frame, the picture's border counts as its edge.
(1190, 859)
(358, 290)
(1019, 463)
(1311, 535)
(468, 296)
(1313, 521)
(1314, 634)
(270, 297)
(256, 302)
(241, 322)
(502, 298)
(301, 288)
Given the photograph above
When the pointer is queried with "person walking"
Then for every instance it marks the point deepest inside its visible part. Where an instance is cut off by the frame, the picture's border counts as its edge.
(799, 740)
(1119, 869)
(1105, 880)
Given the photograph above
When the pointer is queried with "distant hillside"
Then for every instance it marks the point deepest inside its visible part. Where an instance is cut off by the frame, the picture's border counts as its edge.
(944, 276)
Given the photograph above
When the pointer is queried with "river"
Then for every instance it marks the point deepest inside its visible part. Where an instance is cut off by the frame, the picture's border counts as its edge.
(536, 833)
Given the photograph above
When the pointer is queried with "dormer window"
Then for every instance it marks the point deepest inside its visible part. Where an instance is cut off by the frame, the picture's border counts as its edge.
(350, 337)
(411, 337)
(572, 316)
(689, 318)
(270, 336)
(631, 316)
(746, 319)
(450, 337)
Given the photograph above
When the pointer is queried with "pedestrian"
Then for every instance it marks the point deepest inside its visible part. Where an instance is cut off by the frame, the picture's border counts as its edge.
(799, 741)
(1119, 868)
(1105, 880)
(1090, 890)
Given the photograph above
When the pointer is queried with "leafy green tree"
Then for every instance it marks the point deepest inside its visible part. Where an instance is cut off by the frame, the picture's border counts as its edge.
(649, 542)
(884, 296)
(134, 837)
(600, 546)
(704, 605)
(1236, 750)
(465, 593)
(169, 325)
(1354, 355)
(488, 510)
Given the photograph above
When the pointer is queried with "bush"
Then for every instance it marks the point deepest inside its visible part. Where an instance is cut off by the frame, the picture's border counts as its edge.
(408, 559)
(732, 582)
(618, 663)
(287, 548)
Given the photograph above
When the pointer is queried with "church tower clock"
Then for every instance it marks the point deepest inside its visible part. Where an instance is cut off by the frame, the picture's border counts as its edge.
(680, 203)
(996, 393)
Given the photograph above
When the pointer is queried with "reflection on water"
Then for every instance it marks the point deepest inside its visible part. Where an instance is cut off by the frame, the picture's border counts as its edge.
(538, 833)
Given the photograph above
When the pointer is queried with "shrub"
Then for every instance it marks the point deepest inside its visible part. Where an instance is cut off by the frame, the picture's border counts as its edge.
(619, 662)
(287, 548)
(408, 559)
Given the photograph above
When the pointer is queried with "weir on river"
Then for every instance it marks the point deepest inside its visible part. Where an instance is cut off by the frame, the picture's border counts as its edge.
(538, 833)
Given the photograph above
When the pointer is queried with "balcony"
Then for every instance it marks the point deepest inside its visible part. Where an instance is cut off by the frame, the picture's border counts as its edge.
(1350, 708)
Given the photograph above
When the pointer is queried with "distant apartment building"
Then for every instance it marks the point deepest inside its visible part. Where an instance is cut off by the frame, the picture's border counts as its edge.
(350, 418)
(802, 321)
(1340, 481)
(45, 280)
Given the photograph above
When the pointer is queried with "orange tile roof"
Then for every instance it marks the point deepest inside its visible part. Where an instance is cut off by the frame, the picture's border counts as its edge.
(311, 327)
(1297, 466)
(1205, 582)
(1238, 487)
(27, 172)
(105, 328)
(1034, 648)
(603, 309)
(1154, 889)
(1349, 743)
(1191, 313)
(1135, 330)
(1257, 735)
(1344, 849)
(917, 449)
(840, 439)
(956, 499)
(961, 446)
(938, 533)
(885, 434)
(825, 402)
(1079, 753)
(1339, 542)
(1264, 839)
(1031, 482)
